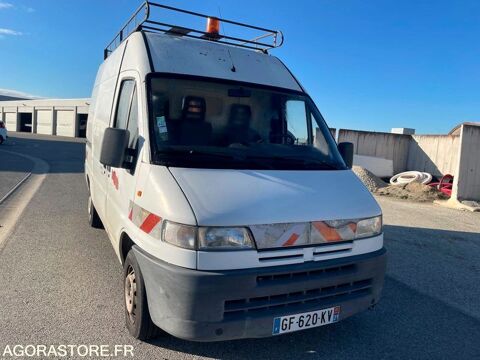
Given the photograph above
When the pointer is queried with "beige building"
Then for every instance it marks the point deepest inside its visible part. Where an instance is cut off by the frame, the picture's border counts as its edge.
(62, 117)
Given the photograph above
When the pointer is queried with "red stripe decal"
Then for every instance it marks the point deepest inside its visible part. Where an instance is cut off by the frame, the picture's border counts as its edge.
(115, 179)
(150, 223)
(130, 214)
(291, 240)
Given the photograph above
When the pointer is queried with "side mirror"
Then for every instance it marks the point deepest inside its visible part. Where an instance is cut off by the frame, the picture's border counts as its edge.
(346, 150)
(114, 147)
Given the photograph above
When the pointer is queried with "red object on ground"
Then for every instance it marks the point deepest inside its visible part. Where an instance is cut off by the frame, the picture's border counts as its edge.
(445, 185)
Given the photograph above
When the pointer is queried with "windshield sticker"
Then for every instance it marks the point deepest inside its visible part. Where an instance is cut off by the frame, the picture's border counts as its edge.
(161, 124)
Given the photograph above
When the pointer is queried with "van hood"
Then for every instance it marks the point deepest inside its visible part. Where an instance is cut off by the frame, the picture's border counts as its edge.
(253, 197)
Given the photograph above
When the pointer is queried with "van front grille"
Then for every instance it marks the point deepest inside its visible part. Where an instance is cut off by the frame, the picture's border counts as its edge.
(306, 275)
(287, 301)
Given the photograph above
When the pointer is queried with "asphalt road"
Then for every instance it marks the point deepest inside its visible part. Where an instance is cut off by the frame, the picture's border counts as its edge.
(13, 169)
(60, 282)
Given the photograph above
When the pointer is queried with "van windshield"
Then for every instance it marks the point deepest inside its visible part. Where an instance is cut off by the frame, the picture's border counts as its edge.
(207, 124)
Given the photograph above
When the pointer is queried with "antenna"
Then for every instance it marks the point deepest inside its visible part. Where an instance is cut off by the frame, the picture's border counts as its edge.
(233, 68)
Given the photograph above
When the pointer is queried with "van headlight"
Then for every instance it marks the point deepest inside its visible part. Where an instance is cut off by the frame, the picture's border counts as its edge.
(206, 238)
(368, 227)
(220, 238)
(183, 236)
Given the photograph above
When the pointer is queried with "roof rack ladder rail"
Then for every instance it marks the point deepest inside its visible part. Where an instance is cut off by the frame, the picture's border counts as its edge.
(243, 41)
(253, 44)
(120, 35)
(208, 16)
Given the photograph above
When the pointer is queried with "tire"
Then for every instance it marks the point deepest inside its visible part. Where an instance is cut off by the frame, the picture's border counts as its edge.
(93, 218)
(137, 317)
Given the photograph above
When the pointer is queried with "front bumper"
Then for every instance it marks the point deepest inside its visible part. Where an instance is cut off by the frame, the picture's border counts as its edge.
(234, 304)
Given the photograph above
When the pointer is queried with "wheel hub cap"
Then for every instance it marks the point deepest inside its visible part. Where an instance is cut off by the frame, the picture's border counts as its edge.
(131, 293)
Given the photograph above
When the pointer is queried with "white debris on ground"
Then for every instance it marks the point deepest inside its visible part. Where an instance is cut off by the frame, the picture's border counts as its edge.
(371, 181)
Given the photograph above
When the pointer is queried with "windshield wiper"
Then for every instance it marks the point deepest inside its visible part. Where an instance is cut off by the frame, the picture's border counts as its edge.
(260, 162)
(187, 152)
(246, 159)
(323, 163)
(306, 162)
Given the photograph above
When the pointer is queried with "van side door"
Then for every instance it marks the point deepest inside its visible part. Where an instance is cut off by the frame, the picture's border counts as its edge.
(100, 115)
(121, 187)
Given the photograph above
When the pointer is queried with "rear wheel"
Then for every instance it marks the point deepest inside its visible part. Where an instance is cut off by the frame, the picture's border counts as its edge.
(93, 218)
(137, 316)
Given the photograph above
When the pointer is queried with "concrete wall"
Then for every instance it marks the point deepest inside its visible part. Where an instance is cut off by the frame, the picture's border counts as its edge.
(466, 184)
(333, 131)
(435, 154)
(383, 145)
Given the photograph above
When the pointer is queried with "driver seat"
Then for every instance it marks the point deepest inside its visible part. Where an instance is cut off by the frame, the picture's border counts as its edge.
(238, 129)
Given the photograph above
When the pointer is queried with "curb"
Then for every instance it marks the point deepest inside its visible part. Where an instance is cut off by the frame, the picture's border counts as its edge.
(17, 202)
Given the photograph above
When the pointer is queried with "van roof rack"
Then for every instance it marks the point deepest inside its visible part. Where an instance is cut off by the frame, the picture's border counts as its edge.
(140, 21)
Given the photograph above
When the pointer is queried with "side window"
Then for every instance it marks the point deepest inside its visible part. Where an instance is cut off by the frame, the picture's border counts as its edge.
(297, 121)
(132, 126)
(123, 105)
(319, 140)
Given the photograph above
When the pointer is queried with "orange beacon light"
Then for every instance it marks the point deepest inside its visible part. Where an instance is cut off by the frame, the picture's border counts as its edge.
(213, 26)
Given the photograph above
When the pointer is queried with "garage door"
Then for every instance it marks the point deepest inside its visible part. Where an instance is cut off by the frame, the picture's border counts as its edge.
(65, 123)
(11, 120)
(44, 122)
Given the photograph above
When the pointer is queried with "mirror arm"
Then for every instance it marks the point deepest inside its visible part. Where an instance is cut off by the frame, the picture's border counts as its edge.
(130, 152)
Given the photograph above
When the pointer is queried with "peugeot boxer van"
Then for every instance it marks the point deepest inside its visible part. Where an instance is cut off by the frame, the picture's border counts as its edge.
(225, 196)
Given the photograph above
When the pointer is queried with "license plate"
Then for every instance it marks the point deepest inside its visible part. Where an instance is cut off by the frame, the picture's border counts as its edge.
(290, 323)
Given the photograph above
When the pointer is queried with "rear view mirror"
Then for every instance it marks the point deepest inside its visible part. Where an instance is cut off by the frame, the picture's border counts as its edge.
(114, 147)
(240, 93)
(346, 150)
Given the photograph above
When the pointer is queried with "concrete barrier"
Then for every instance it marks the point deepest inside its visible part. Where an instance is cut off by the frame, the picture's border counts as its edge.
(458, 155)
(466, 184)
(377, 144)
(435, 154)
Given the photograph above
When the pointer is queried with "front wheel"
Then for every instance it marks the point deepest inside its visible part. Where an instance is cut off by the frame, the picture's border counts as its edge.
(137, 317)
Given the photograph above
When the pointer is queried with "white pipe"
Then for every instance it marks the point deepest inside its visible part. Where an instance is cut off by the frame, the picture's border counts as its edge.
(411, 176)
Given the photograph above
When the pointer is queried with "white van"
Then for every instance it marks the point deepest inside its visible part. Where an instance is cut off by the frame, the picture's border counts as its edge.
(222, 189)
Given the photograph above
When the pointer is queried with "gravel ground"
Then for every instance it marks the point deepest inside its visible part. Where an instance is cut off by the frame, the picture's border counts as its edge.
(413, 191)
(371, 181)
